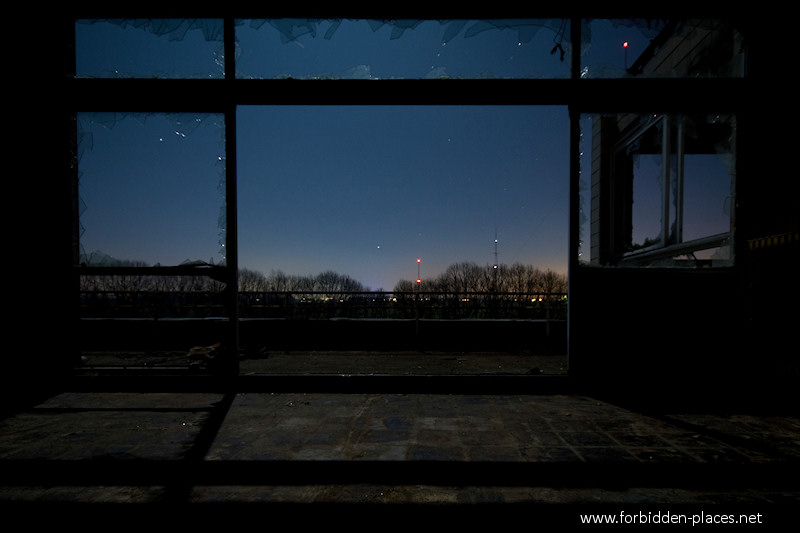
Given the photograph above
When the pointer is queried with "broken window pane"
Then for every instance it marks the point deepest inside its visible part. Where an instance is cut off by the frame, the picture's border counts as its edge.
(409, 49)
(149, 48)
(661, 48)
(586, 216)
(151, 189)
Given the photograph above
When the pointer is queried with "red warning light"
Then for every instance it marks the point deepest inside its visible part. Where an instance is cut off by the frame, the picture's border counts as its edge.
(419, 260)
(625, 44)
(419, 280)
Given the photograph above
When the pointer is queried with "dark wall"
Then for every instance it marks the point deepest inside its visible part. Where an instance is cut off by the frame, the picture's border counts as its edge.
(298, 335)
(689, 337)
(654, 332)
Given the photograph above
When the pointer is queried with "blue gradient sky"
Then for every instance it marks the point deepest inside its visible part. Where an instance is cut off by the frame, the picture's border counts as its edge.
(361, 190)
(373, 188)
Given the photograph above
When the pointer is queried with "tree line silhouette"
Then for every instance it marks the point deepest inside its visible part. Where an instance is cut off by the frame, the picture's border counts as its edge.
(461, 277)
(468, 276)
(464, 289)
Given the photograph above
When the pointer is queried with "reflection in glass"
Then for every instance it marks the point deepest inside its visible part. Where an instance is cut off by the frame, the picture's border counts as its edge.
(151, 189)
(656, 190)
(149, 48)
(410, 49)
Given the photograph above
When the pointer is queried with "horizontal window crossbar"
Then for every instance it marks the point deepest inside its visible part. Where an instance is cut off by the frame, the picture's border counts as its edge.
(679, 249)
(586, 95)
(216, 272)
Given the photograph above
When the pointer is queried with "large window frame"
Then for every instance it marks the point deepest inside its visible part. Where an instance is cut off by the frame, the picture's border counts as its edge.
(226, 95)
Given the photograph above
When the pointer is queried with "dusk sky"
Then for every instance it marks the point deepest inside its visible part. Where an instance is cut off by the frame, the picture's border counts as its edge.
(361, 190)
(377, 187)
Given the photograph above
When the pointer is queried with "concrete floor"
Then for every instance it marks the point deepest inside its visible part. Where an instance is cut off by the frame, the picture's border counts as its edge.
(350, 362)
(561, 453)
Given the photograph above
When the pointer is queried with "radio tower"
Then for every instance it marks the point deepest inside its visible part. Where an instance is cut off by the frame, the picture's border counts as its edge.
(496, 266)
(495, 249)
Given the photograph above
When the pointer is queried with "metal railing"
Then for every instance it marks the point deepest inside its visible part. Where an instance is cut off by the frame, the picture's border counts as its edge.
(316, 305)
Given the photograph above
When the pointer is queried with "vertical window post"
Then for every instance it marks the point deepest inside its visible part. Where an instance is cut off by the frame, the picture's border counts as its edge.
(231, 234)
(573, 247)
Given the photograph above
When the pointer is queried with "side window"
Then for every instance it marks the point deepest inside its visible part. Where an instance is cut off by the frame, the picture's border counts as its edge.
(671, 185)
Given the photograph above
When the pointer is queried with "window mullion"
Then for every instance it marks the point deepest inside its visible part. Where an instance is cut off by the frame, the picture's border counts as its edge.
(679, 149)
(231, 204)
(665, 195)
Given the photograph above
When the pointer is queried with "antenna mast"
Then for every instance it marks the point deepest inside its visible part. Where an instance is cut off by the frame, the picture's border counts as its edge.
(496, 266)
(495, 249)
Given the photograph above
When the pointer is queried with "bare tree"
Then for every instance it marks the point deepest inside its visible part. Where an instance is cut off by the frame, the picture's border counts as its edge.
(461, 277)
(252, 281)
(404, 285)
(553, 282)
(278, 281)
